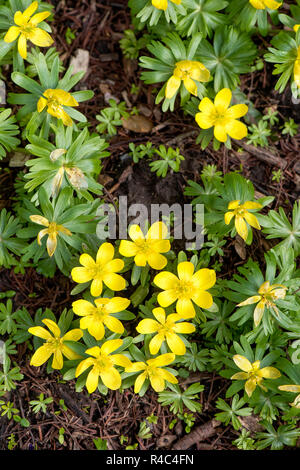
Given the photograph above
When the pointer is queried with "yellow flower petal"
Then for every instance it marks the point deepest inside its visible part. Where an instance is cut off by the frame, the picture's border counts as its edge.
(185, 270)
(19, 19)
(105, 253)
(259, 312)
(239, 376)
(38, 219)
(12, 34)
(184, 328)
(58, 361)
(159, 314)
(121, 360)
(157, 261)
(251, 300)
(251, 205)
(290, 388)
(175, 343)
(30, 10)
(95, 351)
(165, 280)
(139, 382)
(157, 231)
(136, 233)
(160, 4)
(241, 227)
(252, 220)
(172, 86)
(207, 106)
(116, 304)
(157, 383)
(165, 374)
(39, 17)
(204, 279)
(81, 275)
(228, 217)
(270, 373)
(41, 355)
(114, 265)
(69, 353)
(163, 360)
(87, 261)
(203, 299)
(111, 378)
(185, 308)
(83, 366)
(96, 286)
(222, 100)
(51, 244)
(92, 380)
(73, 335)
(40, 332)
(272, 4)
(155, 343)
(113, 324)
(114, 282)
(22, 46)
(127, 248)
(242, 363)
(190, 85)
(41, 104)
(250, 386)
(237, 111)
(236, 129)
(53, 327)
(220, 133)
(41, 234)
(204, 120)
(147, 326)
(136, 367)
(40, 38)
(111, 345)
(167, 297)
(233, 204)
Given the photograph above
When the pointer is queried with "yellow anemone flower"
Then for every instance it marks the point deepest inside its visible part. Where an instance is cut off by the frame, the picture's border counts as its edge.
(55, 100)
(223, 118)
(153, 370)
(163, 4)
(185, 288)
(253, 374)
(95, 318)
(52, 231)
(54, 344)
(104, 269)
(186, 71)
(263, 4)
(294, 389)
(242, 214)
(26, 28)
(296, 27)
(166, 329)
(103, 365)
(297, 69)
(147, 249)
(267, 295)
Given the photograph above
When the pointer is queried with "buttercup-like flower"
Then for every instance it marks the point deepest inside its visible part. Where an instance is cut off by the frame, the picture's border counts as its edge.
(263, 4)
(242, 214)
(52, 231)
(54, 344)
(185, 288)
(297, 69)
(103, 365)
(166, 329)
(267, 296)
(253, 374)
(153, 370)
(186, 71)
(104, 269)
(147, 249)
(223, 118)
(163, 4)
(26, 29)
(95, 318)
(294, 389)
(55, 100)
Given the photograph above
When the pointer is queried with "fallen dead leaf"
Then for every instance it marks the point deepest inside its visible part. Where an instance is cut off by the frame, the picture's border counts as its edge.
(138, 124)
(80, 62)
(240, 247)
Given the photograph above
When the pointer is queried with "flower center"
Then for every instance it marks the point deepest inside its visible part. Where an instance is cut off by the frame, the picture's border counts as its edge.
(103, 362)
(184, 289)
(55, 343)
(52, 228)
(144, 246)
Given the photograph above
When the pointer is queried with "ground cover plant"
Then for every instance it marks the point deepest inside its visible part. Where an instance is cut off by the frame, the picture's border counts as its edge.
(148, 340)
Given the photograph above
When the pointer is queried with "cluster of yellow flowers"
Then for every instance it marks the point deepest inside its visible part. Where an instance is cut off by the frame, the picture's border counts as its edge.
(186, 289)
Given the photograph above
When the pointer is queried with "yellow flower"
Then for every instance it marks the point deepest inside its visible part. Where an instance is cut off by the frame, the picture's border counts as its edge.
(104, 269)
(185, 288)
(153, 370)
(188, 71)
(223, 118)
(103, 365)
(294, 389)
(52, 231)
(55, 100)
(166, 329)
(263, 4)
(163, 4)
(94, 318)
(296, 27)
(242, 214)
(297, 69)
(147, 249)
(54, 344)
(27, 29)
(253, 374)
(268, 294)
